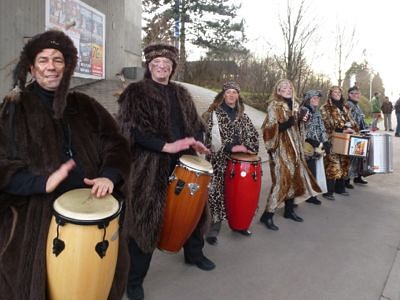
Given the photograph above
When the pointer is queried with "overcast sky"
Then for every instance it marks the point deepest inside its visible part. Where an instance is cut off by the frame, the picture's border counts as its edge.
(377, 30)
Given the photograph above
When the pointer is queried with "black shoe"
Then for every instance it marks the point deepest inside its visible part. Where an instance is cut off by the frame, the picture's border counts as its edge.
(329, 196)
(292, 215)
(313, 200)
(243, 232)
(360, 180)
(390, 129)
(343, 193)
(135, 293)
(348, 185)
(266, 218)
(203, 263)
(212, 240)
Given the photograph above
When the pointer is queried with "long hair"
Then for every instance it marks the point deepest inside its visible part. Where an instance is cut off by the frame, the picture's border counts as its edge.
(219, 98)
(275, 96)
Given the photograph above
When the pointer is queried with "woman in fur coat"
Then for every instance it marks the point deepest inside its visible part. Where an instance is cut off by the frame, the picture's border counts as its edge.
(337, 118)
(234, 132)
(51, 141)
(284, 143)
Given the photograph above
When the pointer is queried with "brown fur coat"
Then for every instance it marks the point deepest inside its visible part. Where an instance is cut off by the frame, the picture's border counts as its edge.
(24, 221)
(142, 106)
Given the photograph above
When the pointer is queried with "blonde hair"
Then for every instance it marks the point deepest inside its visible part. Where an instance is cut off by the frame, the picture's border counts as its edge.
(275, 96)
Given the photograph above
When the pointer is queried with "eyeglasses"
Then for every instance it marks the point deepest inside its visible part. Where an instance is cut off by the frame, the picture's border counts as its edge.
(159, 62)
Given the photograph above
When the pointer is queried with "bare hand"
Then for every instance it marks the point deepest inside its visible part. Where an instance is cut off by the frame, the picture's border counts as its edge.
(348, 130)
(241, 148)
(59, 175)
(200, 148)
(179, 145)
(306, 116)
(101, 186)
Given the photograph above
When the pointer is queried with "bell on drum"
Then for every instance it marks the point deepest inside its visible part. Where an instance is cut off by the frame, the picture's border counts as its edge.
(242, 189)
(186, 198)
(82, 246)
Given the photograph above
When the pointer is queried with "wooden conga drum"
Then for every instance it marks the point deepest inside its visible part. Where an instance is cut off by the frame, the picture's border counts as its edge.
(82, 246)
(186, 197)
(242, 187)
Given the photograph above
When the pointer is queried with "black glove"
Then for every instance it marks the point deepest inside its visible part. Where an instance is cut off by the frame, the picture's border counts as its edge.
(312, 142)
(327, 147)
(287, 124)
(339, 129)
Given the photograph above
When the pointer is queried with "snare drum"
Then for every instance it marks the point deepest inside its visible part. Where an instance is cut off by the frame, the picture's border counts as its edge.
(380, 157)
(186, 198)
(242, 189)
(82, 246)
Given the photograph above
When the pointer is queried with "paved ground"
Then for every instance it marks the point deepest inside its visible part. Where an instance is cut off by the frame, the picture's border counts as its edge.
(345, 249)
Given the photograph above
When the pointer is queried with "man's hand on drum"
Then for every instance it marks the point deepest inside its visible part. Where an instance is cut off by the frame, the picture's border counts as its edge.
(184, 144)
(101, 186)
(59, 175)
(241, 148)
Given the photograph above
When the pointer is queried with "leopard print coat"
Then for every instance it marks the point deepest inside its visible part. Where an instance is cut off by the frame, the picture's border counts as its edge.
(244, 129)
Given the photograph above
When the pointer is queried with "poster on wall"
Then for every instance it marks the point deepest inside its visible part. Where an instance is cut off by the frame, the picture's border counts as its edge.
(86, 27)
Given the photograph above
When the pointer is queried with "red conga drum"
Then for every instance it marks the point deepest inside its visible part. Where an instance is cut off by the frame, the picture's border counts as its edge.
(186, 197)
(242, 189)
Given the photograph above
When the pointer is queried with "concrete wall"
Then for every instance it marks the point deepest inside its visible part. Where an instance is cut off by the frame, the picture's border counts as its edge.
(20, 19)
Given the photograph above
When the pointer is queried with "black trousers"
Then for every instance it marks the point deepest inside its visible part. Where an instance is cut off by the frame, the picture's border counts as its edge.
(140, 261)
(311, 163)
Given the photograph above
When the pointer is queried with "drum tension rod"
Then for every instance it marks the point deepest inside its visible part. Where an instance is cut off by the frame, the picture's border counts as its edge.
(179, 186)
(101, 247)
(58, 244)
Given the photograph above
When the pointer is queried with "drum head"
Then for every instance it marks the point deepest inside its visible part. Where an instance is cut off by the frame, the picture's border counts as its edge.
(196, 163)
(81, 205)
(245, 157)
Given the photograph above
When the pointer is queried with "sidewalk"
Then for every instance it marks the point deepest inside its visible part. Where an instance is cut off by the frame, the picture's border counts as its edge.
(344, 249)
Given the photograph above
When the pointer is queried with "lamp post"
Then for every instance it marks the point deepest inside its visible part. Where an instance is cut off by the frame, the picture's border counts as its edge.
(371, 77)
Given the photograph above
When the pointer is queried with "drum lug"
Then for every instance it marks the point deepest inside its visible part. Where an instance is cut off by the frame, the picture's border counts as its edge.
(58, 244)
(232, 173)
(179, 186)
(193, 188)
(254, 176)
(101, 247)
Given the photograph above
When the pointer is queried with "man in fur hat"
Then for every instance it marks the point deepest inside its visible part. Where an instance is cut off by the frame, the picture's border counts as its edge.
(51, 141)
(161, 122)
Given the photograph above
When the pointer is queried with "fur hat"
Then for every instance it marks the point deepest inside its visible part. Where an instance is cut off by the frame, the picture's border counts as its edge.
(231, 85)
(311, 93)
(161, 50)
(353, 88)
(53, 39)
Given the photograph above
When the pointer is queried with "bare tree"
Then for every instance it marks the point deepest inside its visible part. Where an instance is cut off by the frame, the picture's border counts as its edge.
(344, 46)
(296, 34)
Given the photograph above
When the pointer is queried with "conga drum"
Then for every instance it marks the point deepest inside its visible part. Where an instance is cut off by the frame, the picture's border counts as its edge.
(242, 189)
(82, 246)
(187, 195)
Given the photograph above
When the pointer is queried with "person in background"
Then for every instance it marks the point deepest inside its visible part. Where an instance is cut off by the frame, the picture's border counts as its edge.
(236, 133)
(376, 111)
(387, 108)
(337, 118)
(51, 141)
(397, 110)
(315, 135)
(357, 114)
(160, 120)
(284, 143)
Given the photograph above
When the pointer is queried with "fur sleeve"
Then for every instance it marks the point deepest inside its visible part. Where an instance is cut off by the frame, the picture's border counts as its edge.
(270, 128)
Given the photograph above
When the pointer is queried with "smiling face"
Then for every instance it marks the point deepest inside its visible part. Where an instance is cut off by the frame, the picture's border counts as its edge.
(336, 94)
(231, 96)
(48, 68)
(161, 69)
(354, 95)
(285, 90)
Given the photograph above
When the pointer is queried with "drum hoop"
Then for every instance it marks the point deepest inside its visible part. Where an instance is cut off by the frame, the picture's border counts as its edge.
(183, 165)
(89, 222)
(244, 160)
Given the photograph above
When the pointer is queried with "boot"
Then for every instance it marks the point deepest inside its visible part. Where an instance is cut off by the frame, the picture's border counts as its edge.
(289, 211)
(347, 184)
(330, 183)
(340, 187)
(266, 218)
(360, 180)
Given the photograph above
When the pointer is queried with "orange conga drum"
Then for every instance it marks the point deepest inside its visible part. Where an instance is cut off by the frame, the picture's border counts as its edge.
(186, 197)
(82, 246)
(242, 189)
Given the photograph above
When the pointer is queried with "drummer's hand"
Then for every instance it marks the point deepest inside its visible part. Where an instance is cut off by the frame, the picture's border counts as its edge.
(240, 148)
(179, 145)
(200, 148)
(348, 130)
(59, 175)
(101, 186)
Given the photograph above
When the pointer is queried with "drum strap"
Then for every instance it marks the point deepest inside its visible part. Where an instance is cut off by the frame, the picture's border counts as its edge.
(216, 142)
